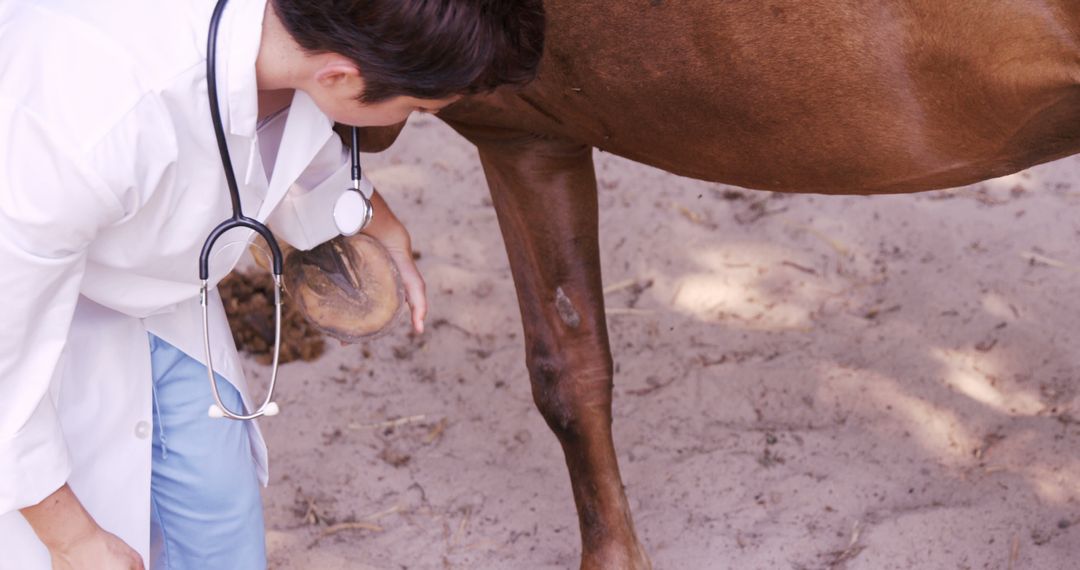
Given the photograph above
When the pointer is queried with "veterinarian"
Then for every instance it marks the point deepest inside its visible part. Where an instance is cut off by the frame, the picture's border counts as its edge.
(110, 182)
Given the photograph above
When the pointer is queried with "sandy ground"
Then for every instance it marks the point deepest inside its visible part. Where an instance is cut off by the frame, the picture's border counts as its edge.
(804, 382)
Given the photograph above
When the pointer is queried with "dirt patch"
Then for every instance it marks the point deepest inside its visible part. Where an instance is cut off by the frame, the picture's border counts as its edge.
(249, 303)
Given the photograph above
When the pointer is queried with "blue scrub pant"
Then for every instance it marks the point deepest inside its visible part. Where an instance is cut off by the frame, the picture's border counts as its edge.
(205, 508)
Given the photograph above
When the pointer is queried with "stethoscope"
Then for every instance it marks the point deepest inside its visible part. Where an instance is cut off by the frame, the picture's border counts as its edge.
(352, 212)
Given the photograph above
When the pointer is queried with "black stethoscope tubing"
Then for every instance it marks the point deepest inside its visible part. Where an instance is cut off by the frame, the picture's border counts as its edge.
(238, 219)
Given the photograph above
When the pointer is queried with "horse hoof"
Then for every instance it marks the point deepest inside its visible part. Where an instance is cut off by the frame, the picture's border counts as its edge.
(348, 287)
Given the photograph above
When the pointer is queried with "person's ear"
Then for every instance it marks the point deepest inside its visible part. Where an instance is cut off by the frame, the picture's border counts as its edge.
(337, 72)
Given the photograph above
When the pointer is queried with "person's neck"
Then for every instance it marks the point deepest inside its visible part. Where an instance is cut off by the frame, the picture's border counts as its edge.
(277, 64)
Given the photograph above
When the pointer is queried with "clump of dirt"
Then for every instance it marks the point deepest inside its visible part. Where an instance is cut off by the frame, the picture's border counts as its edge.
(249, 305)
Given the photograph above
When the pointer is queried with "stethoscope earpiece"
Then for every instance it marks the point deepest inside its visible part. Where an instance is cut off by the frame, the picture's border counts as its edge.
(216, 412)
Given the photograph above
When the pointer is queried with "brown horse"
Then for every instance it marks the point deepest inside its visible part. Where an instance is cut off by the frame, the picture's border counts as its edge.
(826, 96)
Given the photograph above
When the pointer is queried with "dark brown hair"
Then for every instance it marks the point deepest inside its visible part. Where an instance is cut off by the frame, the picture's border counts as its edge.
(430, 49)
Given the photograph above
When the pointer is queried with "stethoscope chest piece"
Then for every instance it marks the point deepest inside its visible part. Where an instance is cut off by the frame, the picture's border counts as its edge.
(352, 212)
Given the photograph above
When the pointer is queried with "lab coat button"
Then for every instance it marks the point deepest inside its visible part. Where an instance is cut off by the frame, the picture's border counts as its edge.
(142, 430)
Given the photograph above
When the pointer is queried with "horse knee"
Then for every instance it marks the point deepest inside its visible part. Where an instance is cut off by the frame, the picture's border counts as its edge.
(547, 374)
(570, 389)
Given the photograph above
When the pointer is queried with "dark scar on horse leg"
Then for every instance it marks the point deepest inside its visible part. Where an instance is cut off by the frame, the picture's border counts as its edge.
(566, 310)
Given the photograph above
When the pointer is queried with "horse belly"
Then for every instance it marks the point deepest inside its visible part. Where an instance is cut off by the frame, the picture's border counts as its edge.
(806, 96)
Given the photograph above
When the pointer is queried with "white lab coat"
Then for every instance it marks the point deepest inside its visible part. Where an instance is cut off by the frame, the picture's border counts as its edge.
(110, 182)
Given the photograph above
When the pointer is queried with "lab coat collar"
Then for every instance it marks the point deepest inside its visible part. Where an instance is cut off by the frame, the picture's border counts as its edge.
(306, 131)
(238, 41)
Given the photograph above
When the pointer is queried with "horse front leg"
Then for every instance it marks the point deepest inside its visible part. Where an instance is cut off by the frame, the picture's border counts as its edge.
(544, 193)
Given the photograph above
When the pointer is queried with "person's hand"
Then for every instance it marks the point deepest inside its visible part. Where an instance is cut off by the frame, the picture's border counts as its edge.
(98, 550)
(386, 228)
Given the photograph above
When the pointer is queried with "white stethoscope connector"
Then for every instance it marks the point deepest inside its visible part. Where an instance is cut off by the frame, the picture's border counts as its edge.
(271, 409)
